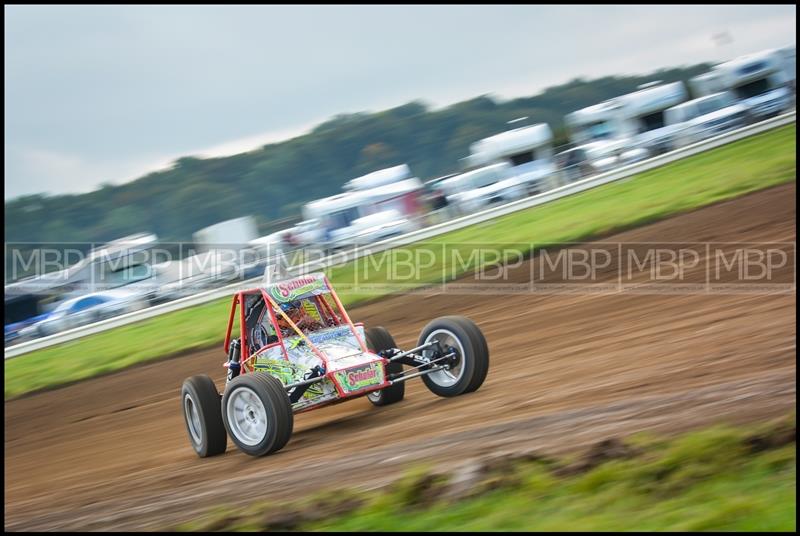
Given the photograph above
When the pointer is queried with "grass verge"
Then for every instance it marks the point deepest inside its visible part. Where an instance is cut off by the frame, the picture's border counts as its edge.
(744, 166)
(717, 479)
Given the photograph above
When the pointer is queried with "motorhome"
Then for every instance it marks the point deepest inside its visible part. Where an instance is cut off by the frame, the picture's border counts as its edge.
(528, 151)
(632, 124)
(232, 234)
(761, 80)
(706, 84)
(483, 186)
(705, 117)
(591, 158)
(337, 215)
(627, 128)
(644, 114)
(789, 58)
(382, 177)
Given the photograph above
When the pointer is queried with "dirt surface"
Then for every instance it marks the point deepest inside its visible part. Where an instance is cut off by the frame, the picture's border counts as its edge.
(567, 369)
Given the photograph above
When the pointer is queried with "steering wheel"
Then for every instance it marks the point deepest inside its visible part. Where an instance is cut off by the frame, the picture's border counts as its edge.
(259, 337)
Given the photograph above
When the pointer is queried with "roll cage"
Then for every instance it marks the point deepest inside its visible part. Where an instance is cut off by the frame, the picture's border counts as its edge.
(254, 306)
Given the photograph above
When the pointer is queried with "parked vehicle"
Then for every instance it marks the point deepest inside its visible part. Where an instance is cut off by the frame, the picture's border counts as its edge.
(484, 186)
(705, 117)
(632, 121)
(381, 177)
(203, 271)
(229, 234)
(788, 56)
(16, 330)
(527, 151)
(86, 309)
(595, 157)
(270, 245)
(761, 81)
(371, 228)
(376, 193)
(644, 112)
(296, 349)
(308, 232)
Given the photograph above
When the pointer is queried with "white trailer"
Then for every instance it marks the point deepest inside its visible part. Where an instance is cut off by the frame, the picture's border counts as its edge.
(632, 124)
(480, 187)
(643, 113)
(527, 150)
(761, 80)
(599, 122)
(382, 177)
(789, 57)
(705, 117)
(341, 215)
(232, 234)
(706, 84)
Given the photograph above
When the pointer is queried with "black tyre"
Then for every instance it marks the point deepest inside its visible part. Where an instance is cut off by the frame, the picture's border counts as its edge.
(202, 413)
(379, 338)
(472, 355)
(257, 413)
(480, 342)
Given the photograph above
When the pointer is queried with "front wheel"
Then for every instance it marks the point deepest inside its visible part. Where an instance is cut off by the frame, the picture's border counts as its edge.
(257, 413)
(203, 416)
(468, 369)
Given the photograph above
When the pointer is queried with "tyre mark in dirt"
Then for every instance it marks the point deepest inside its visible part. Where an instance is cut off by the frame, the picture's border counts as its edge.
(112, 452)
(765, 395)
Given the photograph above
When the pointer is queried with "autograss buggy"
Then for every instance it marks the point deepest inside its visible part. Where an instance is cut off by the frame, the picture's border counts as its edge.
(298, 350)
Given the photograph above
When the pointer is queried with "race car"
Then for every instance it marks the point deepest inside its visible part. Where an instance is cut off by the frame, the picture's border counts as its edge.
(292, 347)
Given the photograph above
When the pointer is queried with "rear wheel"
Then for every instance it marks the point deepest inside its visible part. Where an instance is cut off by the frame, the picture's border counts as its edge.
(202, 414)
(379, 338)
(467, 371)
(257, 413)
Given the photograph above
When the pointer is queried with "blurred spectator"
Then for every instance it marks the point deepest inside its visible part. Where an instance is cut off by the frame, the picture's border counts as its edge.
(290, 240)
(440, 206)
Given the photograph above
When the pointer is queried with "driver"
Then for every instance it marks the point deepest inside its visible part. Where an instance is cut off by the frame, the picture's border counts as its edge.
(299, 316)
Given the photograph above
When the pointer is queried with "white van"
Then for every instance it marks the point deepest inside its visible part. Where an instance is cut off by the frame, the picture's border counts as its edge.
(632, 123)
(705, 117)
(761, 80)
(528, 151)
(340, 216)
(479, 188)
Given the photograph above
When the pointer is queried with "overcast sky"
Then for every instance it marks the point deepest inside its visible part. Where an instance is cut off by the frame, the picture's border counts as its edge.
(99, 94)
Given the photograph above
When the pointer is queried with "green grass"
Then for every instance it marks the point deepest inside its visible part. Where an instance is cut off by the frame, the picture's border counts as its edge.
(709, 480)
(755, 163)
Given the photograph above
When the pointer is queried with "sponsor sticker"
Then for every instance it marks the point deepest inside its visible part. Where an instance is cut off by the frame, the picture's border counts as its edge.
(291, 290)
(357, 378)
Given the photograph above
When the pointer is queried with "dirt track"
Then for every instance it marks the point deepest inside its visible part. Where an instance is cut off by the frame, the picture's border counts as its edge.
(566, 370)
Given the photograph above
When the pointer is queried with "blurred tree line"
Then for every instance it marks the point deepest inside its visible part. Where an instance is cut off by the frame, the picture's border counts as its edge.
(273, 182)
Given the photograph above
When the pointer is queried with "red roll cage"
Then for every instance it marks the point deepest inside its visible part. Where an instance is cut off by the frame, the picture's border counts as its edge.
(271, 308)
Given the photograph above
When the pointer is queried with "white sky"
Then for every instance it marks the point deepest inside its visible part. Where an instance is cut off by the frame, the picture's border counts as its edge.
(99, 94)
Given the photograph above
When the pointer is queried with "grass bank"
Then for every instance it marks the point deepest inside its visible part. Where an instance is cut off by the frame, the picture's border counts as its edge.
(717, 479)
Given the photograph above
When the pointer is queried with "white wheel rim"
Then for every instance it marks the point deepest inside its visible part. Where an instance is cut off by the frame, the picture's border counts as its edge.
(247, 417)
(193, 419)
(446, 377)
